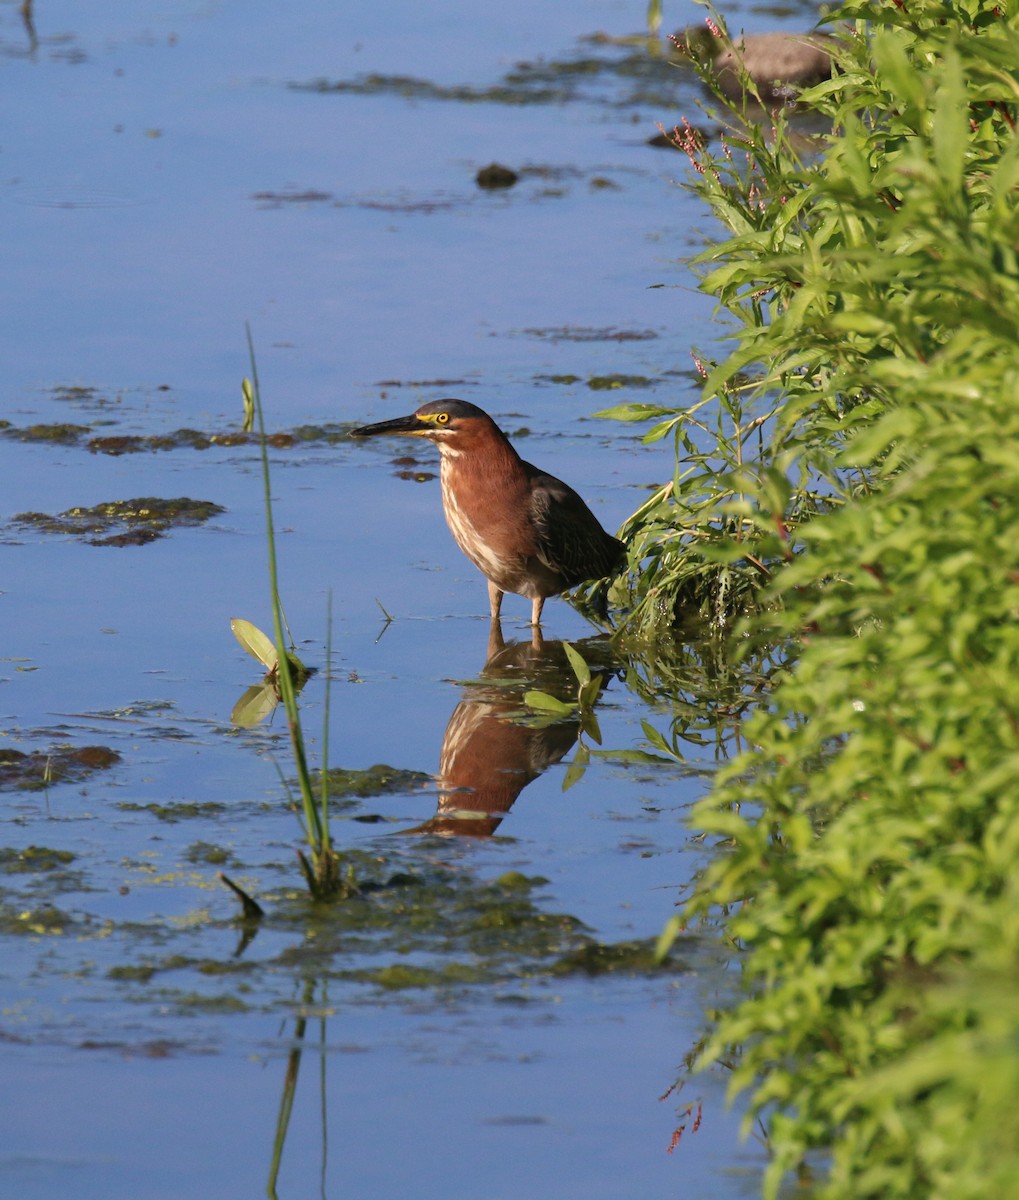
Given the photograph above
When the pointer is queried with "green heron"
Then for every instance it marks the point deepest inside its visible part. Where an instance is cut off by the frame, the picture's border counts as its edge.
(525, 531)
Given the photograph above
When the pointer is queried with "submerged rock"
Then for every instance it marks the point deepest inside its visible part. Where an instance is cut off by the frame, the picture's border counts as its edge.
(495, 175)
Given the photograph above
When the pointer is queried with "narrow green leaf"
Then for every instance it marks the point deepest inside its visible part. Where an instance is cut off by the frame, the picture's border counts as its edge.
(951, 125)
(673, 928)
(248, 394)
(632, 412)
(656, 739)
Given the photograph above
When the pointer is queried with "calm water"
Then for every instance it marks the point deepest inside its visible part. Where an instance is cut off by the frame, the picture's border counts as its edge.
(168, 172)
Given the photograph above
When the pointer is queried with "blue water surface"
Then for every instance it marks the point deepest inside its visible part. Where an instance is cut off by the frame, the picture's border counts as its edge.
(170, 173)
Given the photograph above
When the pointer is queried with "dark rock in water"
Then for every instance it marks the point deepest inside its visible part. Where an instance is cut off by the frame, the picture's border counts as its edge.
(495, 175)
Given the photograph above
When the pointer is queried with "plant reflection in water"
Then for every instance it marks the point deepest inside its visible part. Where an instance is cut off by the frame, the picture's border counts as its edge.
(290, 1088)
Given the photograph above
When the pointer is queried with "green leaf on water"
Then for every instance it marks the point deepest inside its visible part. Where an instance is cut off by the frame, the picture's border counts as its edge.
(262, 647)
(255, 705)
(256, 643)
(589, 692)
(656, 740)
(589, 724)
(576, 769)
(547, 703)
(578, 663)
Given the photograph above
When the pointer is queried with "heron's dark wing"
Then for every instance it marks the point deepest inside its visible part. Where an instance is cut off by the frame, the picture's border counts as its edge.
(570, 539)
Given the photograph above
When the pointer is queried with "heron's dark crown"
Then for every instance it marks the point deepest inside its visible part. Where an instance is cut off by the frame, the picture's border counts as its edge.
(442, 421)
(456, 425)
(455, 410)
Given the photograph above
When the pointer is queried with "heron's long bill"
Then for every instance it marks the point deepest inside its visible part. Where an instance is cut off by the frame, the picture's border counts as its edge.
(411, 426)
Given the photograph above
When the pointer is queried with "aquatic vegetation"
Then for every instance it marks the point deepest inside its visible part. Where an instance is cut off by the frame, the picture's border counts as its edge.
(589, 687)
(42, 920)
(410, 87)
(34, 858)
(79, 394)
(63, 434)
(37, 770)
(416, 925)
(606, 383)
(378, 780)
(582, 333)
(323, 865)
(206, 852)
(173, 811)
(708, 687)
(293, 196)
(139, 521)
(258, 645)
(114, 444)
(644, 78)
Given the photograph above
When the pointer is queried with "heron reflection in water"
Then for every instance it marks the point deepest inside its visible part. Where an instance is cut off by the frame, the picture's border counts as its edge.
(488, 754)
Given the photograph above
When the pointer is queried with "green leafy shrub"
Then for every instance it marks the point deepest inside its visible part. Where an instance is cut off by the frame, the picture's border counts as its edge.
(869, 853)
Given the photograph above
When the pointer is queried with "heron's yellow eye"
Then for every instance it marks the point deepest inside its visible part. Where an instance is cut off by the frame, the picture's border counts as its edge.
(442, 419)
